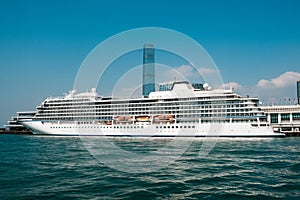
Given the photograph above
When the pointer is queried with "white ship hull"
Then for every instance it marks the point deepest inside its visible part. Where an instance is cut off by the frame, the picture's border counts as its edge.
(151, 130)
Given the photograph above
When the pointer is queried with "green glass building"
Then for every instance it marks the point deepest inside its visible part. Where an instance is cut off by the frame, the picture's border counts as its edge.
(298, 92)
(148, 69)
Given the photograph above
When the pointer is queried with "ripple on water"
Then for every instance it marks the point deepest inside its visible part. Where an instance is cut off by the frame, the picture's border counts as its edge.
(60, 167)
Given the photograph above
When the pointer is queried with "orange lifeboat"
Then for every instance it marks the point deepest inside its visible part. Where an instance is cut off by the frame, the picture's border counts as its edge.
(144, 118)
(164, 119)
(123, 118)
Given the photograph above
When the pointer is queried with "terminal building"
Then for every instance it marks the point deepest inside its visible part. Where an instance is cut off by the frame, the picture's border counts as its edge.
(298, 92)
(13, 125)
(284, 118)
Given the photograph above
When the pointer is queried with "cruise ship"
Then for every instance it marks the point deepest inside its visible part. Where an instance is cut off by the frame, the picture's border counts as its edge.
(177, 110)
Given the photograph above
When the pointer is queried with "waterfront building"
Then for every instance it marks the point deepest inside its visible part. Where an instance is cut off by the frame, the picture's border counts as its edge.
(13, 125)
(148, 70)
(298, 92)
(284, 118)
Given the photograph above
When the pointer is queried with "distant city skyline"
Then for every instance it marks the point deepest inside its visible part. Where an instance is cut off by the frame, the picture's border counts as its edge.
(255, 44)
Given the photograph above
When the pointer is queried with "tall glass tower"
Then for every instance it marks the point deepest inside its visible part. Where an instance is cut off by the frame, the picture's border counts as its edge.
(298, 91)
(148, 69)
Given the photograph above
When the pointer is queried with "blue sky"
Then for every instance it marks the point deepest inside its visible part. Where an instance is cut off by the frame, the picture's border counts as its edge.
(255, 44)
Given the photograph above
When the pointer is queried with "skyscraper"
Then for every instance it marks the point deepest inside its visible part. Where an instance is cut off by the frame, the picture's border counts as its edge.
(148, 69)
(298, 91)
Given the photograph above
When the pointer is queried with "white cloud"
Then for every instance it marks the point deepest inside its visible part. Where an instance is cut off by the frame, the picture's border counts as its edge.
(183, 70)
(204, 70)
(284, 80)
(232, 85)
(276, 90)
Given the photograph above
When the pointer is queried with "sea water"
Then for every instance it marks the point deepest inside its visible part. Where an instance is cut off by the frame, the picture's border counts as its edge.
(64, 167)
